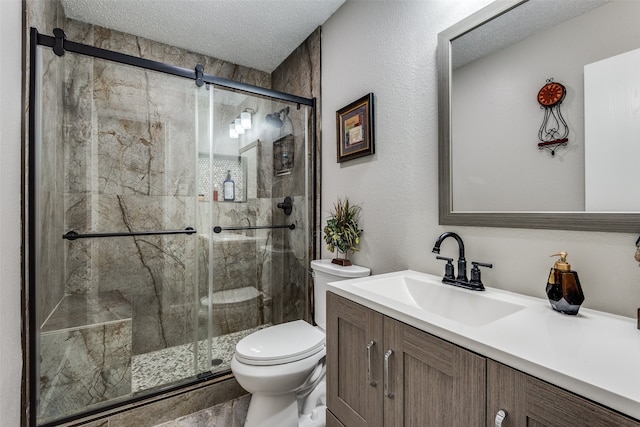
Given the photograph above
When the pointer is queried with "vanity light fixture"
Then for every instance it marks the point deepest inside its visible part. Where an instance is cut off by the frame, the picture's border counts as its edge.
(239, 128)
(245, 119)
(241, 123)
(233, 133)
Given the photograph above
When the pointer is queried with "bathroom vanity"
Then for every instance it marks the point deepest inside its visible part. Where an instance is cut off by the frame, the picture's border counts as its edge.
(392, 361)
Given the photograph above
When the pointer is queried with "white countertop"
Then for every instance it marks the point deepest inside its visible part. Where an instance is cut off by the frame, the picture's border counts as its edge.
(593, 354)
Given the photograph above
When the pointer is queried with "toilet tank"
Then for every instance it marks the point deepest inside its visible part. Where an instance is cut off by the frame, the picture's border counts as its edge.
(324, 271)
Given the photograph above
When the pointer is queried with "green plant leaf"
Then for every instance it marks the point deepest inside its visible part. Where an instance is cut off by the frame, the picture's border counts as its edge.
(342, 230)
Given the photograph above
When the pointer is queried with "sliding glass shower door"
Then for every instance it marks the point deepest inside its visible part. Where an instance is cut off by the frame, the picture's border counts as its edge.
(161, 237)
(117, 272)
(257, 236)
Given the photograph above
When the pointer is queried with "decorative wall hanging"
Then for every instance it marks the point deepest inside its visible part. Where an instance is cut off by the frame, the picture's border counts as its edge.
(355, 129)
(283, 155)
(554, 131)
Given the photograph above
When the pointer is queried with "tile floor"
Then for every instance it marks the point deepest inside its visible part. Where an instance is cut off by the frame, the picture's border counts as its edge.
(176, 363)
(228, 414)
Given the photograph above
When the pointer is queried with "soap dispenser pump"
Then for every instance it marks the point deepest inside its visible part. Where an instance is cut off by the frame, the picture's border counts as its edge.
(563, 287)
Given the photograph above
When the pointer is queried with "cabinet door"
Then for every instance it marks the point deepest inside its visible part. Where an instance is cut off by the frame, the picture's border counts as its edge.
(354, 362)
(534, 403)
(332, 421)
(432, 382)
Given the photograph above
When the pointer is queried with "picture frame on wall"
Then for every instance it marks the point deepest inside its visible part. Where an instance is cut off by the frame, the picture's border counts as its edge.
(355, 135)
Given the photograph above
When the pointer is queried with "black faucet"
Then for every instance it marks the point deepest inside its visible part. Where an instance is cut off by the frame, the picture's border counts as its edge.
(461, 279)
(462, 263)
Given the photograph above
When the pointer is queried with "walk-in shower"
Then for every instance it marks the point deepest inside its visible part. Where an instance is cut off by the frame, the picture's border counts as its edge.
(144, 272)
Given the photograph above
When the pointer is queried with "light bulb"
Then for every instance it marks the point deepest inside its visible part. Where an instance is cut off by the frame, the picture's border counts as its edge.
(232, 131)
(245, 119)
(239, 128)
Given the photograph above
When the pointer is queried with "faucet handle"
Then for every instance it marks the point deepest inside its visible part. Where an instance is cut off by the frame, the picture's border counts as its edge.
(475, 273)
(481, 264)
(448, 269)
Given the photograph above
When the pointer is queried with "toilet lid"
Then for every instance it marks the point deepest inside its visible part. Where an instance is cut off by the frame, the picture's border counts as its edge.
(351, 271)
(284, 343)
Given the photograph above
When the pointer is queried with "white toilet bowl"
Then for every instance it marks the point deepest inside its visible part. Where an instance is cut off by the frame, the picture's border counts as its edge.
(282, 365)
(273, 364)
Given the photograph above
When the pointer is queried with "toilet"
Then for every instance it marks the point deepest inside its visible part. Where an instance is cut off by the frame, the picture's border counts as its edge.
(283, 366)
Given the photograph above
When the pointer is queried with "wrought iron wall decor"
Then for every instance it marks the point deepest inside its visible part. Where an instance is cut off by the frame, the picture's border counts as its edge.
(554, 131)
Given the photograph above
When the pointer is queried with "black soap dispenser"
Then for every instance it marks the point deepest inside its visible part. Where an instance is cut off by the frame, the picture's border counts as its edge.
(563, 287)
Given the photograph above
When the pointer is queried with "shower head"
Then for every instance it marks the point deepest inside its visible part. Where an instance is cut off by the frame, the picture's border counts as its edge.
(275, 119)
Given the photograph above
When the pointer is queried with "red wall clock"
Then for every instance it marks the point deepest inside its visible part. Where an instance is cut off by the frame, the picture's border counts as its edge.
(554, 131)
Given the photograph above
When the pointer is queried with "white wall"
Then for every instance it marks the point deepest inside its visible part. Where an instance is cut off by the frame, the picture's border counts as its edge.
(388, 48)
(10, 122)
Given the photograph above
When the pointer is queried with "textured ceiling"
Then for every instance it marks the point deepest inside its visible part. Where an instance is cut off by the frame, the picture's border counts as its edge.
(255, 33)
(516, 25)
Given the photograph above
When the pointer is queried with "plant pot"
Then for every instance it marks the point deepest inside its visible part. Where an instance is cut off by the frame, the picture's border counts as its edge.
(341, 261)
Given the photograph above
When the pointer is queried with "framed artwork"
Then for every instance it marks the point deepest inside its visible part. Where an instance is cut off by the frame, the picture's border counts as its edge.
(355, 129)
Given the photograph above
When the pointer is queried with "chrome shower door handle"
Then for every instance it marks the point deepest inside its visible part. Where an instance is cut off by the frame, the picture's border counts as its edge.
(369, 380)
(387, 355)
(500, 416)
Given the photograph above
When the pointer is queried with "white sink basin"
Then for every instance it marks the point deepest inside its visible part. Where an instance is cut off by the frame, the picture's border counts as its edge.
(472, 308)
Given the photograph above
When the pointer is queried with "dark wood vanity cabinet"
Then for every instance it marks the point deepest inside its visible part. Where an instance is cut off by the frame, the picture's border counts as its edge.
(381, 372)
(432, 382)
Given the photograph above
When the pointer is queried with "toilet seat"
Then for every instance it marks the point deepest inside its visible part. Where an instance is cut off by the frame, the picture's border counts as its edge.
(279, 344)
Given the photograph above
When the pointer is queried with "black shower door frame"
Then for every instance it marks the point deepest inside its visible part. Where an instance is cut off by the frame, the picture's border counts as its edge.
(59, 44)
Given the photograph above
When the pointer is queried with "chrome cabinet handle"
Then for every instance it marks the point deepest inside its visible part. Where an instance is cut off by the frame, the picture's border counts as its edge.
(500, 416)
(369, 380)
(387, 355)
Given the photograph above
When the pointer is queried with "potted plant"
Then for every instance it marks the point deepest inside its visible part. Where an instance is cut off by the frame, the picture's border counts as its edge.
(342, 232)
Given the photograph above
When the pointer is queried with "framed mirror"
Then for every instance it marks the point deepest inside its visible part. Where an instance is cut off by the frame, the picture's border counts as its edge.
(491, 67)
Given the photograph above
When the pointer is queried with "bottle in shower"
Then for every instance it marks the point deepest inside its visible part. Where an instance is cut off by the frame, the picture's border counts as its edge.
(229, 188)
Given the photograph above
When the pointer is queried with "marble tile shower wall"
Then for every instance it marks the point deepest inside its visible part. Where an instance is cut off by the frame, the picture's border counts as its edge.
(131, 167)
(300, 74)
(129, 155)
(290, 248)
(102, 107)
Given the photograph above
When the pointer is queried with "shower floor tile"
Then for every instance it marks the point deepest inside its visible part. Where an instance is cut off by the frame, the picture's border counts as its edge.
(169, 365)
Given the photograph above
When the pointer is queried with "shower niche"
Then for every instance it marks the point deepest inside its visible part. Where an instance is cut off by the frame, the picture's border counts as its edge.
(133, 291)
(210, 185)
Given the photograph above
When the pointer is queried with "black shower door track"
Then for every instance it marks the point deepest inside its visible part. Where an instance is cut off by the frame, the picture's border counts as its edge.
(59, 43)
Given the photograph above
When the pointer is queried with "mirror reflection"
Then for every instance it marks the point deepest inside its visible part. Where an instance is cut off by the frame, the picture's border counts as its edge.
(497, 72)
